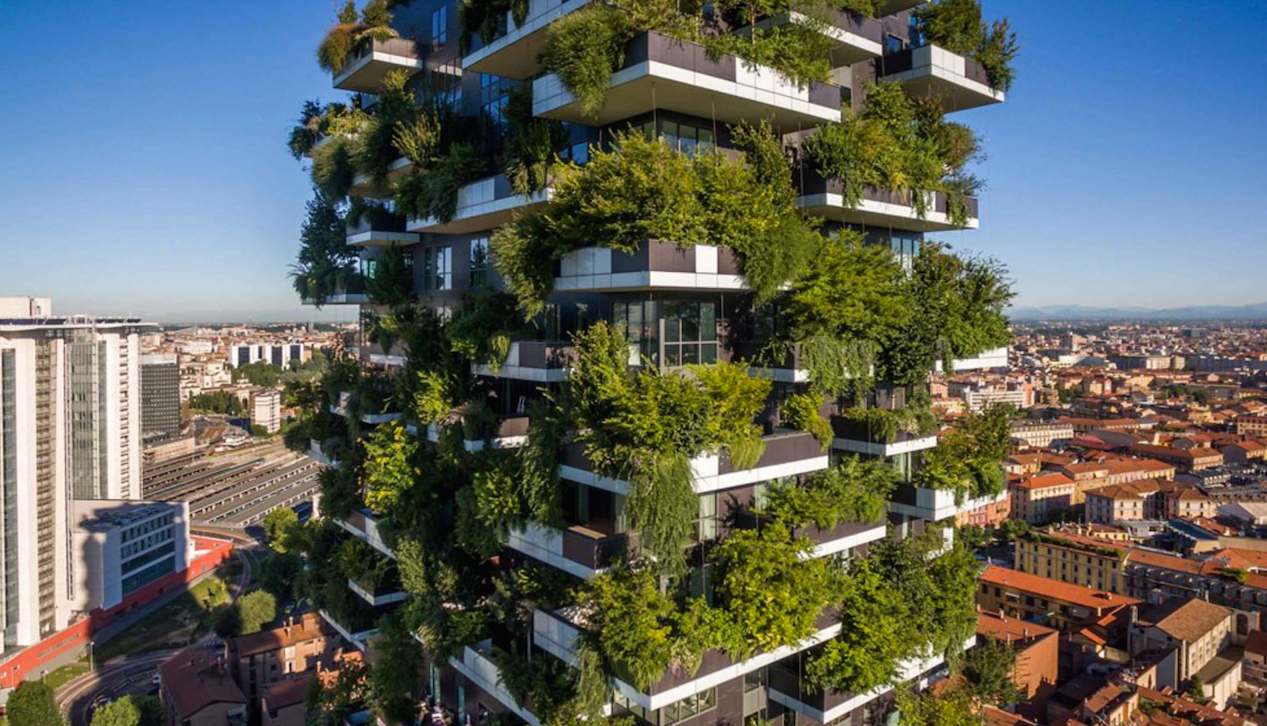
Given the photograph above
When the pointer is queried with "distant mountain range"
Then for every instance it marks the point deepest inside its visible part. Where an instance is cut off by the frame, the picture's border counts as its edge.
(1196, 312)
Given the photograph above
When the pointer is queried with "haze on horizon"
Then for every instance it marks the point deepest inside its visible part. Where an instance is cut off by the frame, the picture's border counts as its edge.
(148, 174)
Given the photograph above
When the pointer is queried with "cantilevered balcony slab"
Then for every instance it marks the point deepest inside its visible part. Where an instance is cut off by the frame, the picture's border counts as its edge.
(893, 7)
(787, 690)
(787, 369)
(371, 60)
(514, 54)
(363, 186)
(380, 596)
(961, 83)
(844, 537)
(662, 73)
(556, 633)
(351, 293)
(993, 358)
(854, 437)
(511, 433)
(879, 208)
(854, 38)
(577, 550)
(934, 505)
(534, 361)
(363, 524)
(787, 454)
(655, 265)
(358, 638)
(383, 233)
(478, 668)
(483, 205)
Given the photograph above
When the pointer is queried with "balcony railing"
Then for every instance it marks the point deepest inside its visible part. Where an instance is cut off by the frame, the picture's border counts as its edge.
(881, 207)
(371, 60)
(513, 53)
(535, 361)
(666, 74)
(557, 633)
(856, 437)
(935, 505)
(960, 83)
(363, 524)
(351, 292)
(482, 205)
(655, 265)
(577, 550)
(510, 432)
(788, 368)
(854, 38)
(786, 454)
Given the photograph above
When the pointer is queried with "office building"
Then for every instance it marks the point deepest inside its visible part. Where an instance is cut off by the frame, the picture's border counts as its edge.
(669, 298)
(160, 397)
(282, 355)
(120, 547)
(70, 406)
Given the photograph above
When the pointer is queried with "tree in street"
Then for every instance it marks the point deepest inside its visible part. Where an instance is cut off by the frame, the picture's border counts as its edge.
(278, 525)
(130, 711)
(33, 704)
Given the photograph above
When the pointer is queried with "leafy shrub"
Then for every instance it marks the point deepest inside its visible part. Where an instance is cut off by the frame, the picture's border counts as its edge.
(800, 411)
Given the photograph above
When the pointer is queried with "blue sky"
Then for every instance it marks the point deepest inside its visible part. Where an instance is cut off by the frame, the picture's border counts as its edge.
(145, 169)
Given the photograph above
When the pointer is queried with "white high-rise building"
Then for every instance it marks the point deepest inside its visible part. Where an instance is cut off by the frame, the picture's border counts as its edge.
(70, 429)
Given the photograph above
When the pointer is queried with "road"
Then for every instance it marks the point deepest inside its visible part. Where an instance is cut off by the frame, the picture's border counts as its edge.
(133, 674)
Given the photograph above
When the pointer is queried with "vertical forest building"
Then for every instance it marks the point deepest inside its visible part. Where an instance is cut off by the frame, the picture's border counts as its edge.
(637, 424)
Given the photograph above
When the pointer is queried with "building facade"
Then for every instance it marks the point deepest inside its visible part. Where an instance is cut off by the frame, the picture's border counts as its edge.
(70, 429)
(160, 397)
(670, 305)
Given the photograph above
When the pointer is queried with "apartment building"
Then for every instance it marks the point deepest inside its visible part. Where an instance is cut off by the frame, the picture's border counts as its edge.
(1037, 656)
(282, 355)
(1067, 607)
(1041, 434)
(672, 304)
(304, 645)
(1200, 630)
(1193, 459)
(1036, 499)
(266, 410)
(196, 690)
(70, 407)
(1134, 501)
(1251, 425)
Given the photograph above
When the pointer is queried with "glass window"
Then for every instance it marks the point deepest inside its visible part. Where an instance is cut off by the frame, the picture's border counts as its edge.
(706, 525)
(690, 333)
(479, 262)
(893, 44)
(438, 269)
(440, 25)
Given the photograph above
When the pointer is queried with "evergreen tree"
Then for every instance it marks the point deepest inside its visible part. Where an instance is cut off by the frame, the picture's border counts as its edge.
(33, 704)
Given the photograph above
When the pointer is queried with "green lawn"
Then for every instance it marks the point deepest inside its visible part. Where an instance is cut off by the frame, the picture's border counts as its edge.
(65, 674)
(175, 623)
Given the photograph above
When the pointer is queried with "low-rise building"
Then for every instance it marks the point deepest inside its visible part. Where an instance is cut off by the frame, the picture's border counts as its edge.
(1126, 502)
(282, 703)
(269, 656)
(1192, 459)
(1037, 656)
(1041, 434)
(1036, 499)
(1251, 425)
(266, 410)
(196, 690)
(1064, 606)
(1199, 629)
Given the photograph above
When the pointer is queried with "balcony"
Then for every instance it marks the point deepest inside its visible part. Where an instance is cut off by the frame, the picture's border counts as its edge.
(537, 362)
(557, 632)
(371, 60)
(482, 205)
(786, 688)
(880, 208)
(844, 537)
(317, 454)
(349, 292)
(854, 38)
(655, 265)
(855, 437)
(935, 505)
(381, 233)
(514, 54)
(960, 83)
(577, 550)
(363, 524)
(509, 433)
(993, 358)
(786, 454)
(893, 7)
(376, 400)
(787, 369)
(479, 669)
(378, 596)
(665, 74)
(363, 186)
(352, 633)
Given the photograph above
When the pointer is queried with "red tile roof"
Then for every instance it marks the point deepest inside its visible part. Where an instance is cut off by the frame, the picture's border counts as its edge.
(1054, 589)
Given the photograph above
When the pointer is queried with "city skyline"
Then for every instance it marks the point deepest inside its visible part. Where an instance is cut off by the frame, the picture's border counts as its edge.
(175, 178)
